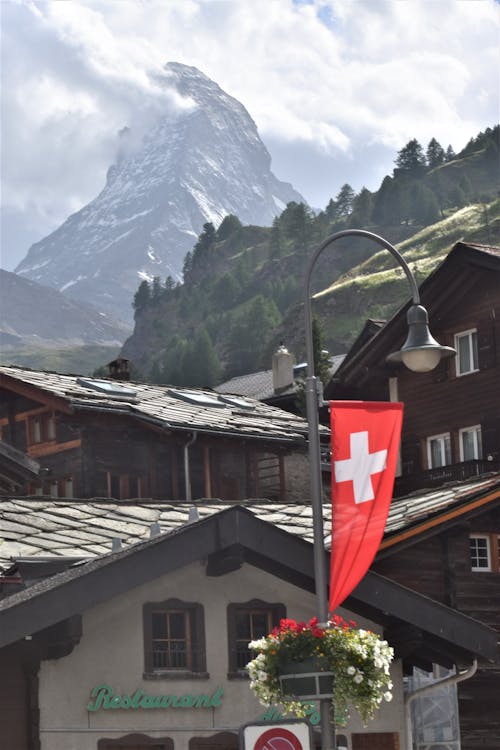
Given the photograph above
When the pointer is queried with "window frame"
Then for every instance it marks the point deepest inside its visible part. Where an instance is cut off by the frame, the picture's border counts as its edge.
(40, 429)
(124, 481)
(473, 351)
(195, 618)
(443, 436)
(275, 612)
(478, 442)
(493, 552)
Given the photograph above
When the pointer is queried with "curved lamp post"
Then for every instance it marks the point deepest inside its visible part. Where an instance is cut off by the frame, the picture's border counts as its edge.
(420, 353)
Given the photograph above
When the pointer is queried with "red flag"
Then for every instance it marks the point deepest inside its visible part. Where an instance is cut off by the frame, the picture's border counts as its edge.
(365, 443)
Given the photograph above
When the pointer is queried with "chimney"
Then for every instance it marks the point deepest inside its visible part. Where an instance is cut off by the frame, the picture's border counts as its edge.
(119, 369)
(282, 369)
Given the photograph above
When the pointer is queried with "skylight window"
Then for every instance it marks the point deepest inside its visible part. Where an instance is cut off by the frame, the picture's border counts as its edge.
(240, 403)
(110, 388)
(197, 397)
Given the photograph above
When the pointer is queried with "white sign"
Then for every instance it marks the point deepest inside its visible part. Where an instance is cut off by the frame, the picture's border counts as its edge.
(292, 734)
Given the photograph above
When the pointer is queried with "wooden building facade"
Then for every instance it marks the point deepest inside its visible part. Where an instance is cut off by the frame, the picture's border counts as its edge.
(443, 533)
(102, 438)
(451, 427)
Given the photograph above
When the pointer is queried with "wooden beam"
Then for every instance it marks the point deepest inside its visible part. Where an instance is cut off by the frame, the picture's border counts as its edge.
(439, 520)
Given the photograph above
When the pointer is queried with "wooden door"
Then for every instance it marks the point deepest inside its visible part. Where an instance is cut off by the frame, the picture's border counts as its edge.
(375, 741)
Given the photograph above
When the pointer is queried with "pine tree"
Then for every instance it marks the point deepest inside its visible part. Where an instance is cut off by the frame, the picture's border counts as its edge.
(344, 200)
(411, 158)
(201, 366)
(275, 240)
(450, 154)
(435, 154)
(362, 207)
(230, 225)
(142, 298)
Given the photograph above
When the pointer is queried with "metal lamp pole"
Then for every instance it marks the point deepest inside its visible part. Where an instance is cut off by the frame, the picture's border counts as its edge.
(420, 353)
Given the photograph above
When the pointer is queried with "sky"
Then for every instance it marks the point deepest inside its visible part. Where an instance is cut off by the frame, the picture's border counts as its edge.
(336, 88)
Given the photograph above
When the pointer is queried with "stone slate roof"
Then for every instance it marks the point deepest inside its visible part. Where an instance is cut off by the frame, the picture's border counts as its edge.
(162, 405)
(259, 385)
(44, 527)
(445, 635)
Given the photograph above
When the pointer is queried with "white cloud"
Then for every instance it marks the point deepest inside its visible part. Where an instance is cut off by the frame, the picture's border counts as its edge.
(324, 80)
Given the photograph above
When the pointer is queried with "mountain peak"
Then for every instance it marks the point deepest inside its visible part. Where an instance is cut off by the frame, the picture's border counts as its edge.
(194, 165)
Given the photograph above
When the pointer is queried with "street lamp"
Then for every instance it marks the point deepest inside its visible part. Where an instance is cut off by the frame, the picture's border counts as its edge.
(420, 353)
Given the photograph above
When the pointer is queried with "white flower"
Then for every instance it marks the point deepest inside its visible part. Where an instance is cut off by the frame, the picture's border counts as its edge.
(351, 670)
(388, 696)
(358, 678)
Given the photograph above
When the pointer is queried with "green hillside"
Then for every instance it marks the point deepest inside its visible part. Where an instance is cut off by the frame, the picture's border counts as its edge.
(377, 288)
(242, 289)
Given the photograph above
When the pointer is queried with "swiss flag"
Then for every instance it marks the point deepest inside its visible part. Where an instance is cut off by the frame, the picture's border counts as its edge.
(365, 443)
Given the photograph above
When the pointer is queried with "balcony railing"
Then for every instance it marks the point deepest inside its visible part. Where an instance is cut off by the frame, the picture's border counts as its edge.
(443, 475)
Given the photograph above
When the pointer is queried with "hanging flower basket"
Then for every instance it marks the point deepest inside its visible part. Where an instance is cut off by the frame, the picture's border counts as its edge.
(301, 661)
(310, 679)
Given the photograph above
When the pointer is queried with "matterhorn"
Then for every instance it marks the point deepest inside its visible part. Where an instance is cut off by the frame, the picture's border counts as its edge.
(191, 167)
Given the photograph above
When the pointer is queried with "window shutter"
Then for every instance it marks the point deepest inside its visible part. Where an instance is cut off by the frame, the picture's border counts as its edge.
(486, 344)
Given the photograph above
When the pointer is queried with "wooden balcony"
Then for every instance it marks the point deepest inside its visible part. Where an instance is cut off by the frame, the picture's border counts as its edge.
(412, 481)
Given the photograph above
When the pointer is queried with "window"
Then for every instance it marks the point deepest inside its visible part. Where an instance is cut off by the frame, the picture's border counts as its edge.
(125, 486)
(174, 639)
(438, 450)
(247, 622)
(467, 356)
(470, 443)
(484, 552)
(53, 487)
(41, 428)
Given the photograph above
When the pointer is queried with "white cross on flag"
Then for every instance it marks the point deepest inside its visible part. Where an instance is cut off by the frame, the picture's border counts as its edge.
(365, 443)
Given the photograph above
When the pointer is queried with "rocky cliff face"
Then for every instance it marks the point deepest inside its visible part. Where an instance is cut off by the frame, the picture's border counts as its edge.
(192, 167)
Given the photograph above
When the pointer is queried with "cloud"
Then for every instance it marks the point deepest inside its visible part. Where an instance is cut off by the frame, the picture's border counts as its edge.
(330, 84)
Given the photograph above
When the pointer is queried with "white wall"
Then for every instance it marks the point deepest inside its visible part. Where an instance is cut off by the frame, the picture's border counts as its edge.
(111, 652)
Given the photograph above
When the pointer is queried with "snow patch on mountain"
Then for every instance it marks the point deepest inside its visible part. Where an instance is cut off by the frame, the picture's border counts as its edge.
(196, 165)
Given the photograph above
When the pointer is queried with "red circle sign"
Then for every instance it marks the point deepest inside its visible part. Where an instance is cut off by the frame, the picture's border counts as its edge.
(278, 739)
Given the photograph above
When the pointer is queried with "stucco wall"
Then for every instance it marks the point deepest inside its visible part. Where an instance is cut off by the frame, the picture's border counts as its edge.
(111, 652)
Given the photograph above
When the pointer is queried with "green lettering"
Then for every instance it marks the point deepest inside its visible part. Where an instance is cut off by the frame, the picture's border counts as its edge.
(101, 693)
(202, 701)
(136, 699)
(148, 701)
(103, 697)
(216, 698)
(272, 714)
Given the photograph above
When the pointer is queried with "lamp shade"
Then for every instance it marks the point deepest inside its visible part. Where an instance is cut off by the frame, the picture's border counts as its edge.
(420, 352)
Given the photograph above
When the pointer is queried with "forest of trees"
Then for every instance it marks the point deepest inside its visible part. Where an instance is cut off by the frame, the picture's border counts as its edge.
(239, 282)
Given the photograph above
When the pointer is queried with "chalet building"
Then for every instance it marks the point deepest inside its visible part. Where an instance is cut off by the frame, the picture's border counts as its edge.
(143, 647)
(106, 438)
(451, 426)
(443, 534)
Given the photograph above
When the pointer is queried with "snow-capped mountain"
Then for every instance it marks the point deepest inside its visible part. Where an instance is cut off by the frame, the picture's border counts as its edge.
(192, 167)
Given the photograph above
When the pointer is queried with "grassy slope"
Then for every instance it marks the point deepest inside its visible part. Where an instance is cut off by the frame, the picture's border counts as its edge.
(376, 288)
